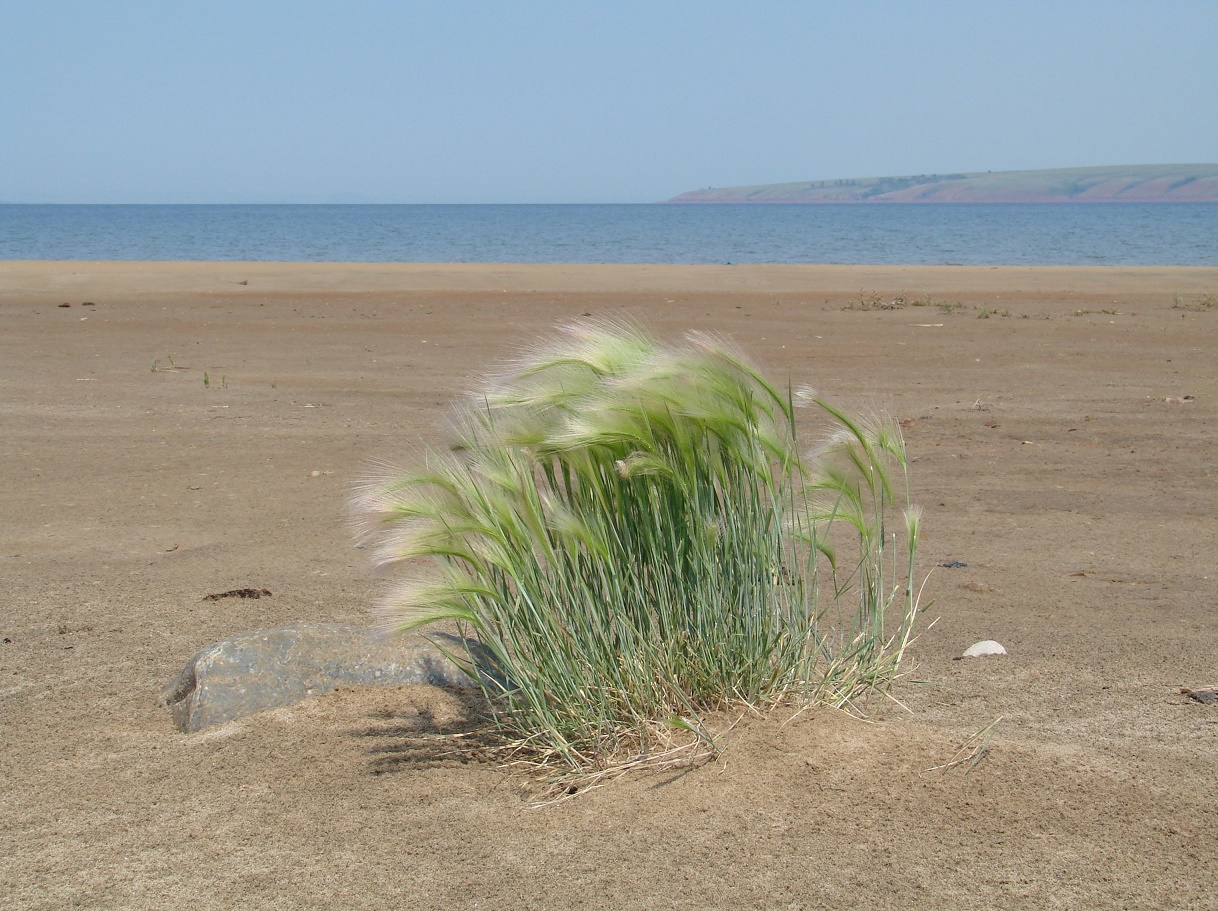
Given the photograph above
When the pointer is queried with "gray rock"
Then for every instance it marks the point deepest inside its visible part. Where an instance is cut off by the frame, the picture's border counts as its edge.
(277, 667)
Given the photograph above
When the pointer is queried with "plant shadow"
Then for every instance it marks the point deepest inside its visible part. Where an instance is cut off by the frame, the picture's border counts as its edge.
(432, 727)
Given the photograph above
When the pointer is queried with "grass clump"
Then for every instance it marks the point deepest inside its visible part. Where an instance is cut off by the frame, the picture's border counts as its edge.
(637, 538)
(943, 305)
(1202, 305)
(876, 301)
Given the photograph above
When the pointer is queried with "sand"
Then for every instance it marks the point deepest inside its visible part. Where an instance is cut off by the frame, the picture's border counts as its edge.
(199, 427)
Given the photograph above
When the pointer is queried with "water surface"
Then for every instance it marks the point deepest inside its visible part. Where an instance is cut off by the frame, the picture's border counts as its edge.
(980, 234)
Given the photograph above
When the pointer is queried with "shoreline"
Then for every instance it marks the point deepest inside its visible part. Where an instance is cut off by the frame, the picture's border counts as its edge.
(121, 278)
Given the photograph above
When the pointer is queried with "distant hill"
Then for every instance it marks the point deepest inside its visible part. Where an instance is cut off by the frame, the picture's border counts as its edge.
(1119, 183)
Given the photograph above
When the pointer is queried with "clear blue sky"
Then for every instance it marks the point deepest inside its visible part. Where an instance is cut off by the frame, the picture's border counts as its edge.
(116, 101)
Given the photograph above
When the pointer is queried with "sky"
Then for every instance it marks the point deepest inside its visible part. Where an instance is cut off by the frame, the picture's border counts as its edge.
(260, 101)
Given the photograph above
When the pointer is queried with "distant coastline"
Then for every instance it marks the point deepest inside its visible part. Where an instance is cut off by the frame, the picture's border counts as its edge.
(1113, 184)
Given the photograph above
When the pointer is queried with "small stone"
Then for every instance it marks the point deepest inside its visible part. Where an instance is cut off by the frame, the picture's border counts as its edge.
(1206, 695)
(984, 648)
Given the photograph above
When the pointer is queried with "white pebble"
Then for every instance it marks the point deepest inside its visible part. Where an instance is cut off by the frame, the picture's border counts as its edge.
(983, 648)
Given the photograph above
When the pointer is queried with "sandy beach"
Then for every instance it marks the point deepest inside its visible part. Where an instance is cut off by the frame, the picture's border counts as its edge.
(170, 430)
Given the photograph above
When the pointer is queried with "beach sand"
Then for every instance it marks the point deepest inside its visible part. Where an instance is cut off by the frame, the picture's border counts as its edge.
(200, 427)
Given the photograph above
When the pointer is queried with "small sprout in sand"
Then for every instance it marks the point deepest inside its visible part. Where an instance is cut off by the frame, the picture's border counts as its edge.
(158, 367)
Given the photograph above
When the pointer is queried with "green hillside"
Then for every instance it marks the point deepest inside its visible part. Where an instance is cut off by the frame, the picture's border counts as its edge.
(1118, 183)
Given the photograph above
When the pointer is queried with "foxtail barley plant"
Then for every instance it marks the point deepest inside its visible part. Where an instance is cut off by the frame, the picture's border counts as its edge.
(637, 537)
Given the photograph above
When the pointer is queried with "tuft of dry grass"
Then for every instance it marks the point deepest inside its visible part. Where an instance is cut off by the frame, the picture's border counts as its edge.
(972, 752)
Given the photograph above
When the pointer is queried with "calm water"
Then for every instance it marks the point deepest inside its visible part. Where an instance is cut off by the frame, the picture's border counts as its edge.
(1013, 234)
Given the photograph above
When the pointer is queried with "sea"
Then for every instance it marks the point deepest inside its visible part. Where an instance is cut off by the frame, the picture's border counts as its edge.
(1115, 234)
